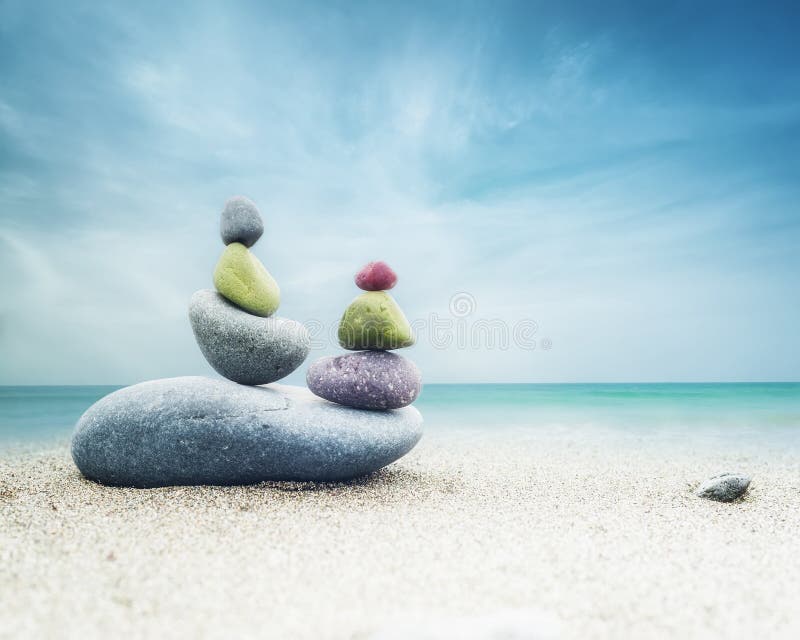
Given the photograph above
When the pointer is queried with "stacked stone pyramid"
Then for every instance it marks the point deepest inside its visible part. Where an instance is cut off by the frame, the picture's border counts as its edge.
(372, 325)
(234, 325)
(196, 430)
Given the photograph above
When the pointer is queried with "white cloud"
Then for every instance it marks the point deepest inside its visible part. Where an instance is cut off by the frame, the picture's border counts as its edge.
(459, 173)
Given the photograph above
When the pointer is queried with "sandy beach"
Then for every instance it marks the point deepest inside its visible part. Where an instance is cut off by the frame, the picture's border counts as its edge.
(601, 543)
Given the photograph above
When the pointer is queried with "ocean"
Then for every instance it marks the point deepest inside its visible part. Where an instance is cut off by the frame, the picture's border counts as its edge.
(747, 415)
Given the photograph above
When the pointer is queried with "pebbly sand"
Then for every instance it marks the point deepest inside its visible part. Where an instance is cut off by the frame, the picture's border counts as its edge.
(600, 542)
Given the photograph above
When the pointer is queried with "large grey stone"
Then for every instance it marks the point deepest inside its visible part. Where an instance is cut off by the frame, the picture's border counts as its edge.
(242, 347)
(366, 380)
(194, 430)
(725, 487)
(241, 222)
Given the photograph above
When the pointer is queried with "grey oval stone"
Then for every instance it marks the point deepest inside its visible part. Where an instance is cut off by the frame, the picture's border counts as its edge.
(366, 380)
(242, 347)
(725, 487)
(195, 430)
(241, 222)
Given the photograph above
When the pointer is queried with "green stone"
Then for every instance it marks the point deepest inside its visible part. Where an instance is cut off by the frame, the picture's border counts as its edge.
(374, 321)
(242, 279)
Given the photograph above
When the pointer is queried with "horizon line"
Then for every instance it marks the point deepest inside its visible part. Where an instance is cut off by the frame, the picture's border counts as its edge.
(432, 384)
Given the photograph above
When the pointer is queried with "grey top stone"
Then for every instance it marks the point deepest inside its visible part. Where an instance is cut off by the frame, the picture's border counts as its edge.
(725, 487)
(195, 430)
(241, 222)
(242, 347)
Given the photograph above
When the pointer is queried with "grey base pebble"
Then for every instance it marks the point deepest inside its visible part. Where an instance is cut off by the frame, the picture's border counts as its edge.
(195, 430)
(725, 487)
(241, 222)
(242, 347)
(366, 380)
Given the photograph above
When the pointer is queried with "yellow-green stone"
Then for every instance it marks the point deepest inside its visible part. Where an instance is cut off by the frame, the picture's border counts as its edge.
(374, 321)
(242, 279)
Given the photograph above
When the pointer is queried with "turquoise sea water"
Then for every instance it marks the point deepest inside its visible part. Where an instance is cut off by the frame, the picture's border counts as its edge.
(753, 413)
(704, 414)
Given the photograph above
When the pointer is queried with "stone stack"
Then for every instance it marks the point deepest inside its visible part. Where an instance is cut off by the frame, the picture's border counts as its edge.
(194, 430)
(373, 325)
(234, 326)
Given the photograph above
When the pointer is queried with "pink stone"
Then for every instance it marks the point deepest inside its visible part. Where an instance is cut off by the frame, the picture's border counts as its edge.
(376, 276)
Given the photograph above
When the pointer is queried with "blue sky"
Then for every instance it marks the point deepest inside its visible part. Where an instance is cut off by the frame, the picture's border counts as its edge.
(626, 175)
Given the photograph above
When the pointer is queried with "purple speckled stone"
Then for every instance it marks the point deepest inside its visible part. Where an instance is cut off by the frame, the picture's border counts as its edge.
(366, 380)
